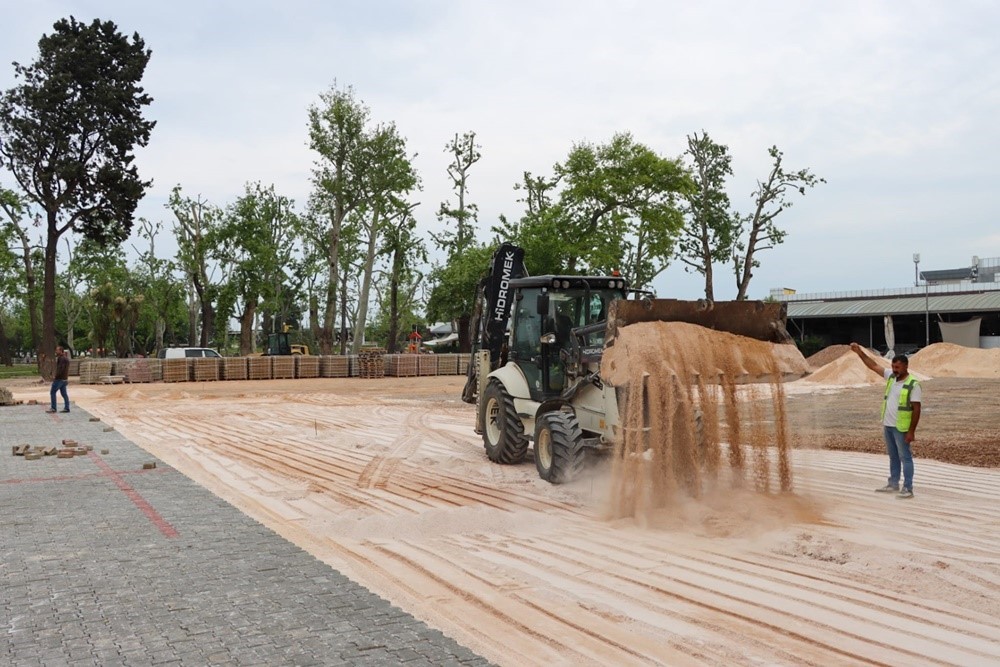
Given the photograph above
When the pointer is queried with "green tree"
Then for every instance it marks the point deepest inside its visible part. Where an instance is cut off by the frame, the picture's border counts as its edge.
(608, 207)
(709, 233)
(465, 152)
(337, 133)
(195, 221)
(454, 296)
(30, 255)
(404, 249)
(254, 242)
(390, 178)
(758, 230)
(67, 133)
(163, 292)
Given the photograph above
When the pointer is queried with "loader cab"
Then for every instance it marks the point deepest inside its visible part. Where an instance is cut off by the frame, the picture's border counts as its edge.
(548, 309)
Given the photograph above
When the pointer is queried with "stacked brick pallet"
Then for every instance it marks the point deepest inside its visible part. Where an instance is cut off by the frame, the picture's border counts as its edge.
(74, 366)
(176, 370)
(426, 364)
(205, 369)
(259, 368)
(334, 366)
(135, 370)
(306, 367)
(371, 363)
(92, 371)
(233, 368)
(401, 365)
(463, 364)
(447, 364)
(282, 368)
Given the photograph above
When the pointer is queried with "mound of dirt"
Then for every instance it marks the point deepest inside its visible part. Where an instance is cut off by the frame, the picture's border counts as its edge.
(848, 370)
(827, 354)
(949, 360)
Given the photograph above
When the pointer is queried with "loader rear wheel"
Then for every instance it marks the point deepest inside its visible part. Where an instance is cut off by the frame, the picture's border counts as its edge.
(503, 431)
(558, 447)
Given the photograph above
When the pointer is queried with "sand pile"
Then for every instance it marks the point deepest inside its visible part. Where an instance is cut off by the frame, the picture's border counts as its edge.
(672, 376)
(948, 360)
(848, 370)
(826, 355)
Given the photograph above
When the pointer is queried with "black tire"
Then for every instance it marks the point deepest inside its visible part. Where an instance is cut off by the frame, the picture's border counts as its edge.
(503, 431)
(558, 447)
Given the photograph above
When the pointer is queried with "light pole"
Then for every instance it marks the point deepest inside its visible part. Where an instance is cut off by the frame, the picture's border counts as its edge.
(916, 263)
(927, 315)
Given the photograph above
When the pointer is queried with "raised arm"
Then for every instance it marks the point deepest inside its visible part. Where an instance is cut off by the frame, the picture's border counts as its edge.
(868, 361)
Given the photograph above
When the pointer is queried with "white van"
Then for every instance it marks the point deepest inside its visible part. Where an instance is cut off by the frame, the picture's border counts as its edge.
(189, 352)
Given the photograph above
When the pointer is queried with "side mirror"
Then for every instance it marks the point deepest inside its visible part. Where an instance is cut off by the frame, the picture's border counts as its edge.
(548, 339)
(542, 304)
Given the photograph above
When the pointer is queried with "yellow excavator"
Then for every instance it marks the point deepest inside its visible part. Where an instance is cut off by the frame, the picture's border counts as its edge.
(278, 344)
(538, 341)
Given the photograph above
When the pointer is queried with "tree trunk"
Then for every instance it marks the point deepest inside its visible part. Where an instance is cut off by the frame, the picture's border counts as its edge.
(326, 337)
(343, 315)
(366, 285)
(314, 316)
(394, 301)
(464, 342)
(31, 287)
(159, 327)
(193, 309)
(4, 346)
(48, 345)
(246, 327)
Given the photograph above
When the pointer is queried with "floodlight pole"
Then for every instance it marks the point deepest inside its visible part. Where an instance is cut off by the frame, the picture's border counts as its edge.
(927, 315)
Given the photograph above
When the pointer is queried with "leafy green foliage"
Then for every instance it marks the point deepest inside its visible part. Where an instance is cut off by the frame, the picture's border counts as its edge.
(455, 284)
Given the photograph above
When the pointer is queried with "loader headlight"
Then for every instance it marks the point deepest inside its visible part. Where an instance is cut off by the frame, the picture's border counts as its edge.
(565, 284)
(621, 284)
(611, 284)
(555, 284)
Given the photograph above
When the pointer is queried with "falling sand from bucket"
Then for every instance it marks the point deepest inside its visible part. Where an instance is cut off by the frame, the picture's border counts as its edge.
(678, 387)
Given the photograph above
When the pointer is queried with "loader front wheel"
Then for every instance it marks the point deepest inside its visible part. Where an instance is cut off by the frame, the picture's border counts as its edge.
(503, 431)
(558, 447)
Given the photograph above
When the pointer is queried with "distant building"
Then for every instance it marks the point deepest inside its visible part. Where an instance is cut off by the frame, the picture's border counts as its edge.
(956, 305)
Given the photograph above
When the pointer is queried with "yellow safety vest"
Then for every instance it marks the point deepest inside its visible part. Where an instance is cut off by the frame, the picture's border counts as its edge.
(904, 412)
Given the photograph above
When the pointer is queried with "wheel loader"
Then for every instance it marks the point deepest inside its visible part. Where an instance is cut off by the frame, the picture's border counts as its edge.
(534, 373)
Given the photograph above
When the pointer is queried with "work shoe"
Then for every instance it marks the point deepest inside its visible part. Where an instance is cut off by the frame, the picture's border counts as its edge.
(888, 488)
(905, 493)
(50, 412)
(66, 410)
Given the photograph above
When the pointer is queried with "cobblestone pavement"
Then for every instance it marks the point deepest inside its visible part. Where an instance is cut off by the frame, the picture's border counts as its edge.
(103, 562)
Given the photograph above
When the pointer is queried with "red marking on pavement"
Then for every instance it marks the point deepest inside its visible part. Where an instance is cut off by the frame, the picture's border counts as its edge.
(69, 478)
(133, 495)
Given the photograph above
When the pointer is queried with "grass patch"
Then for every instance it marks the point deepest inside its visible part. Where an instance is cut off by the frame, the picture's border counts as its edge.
(18, 371)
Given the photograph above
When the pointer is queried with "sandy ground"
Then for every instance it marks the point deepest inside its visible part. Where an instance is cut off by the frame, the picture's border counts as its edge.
(385, 481)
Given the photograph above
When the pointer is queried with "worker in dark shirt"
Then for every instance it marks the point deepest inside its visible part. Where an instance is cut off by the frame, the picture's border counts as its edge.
(61, 380)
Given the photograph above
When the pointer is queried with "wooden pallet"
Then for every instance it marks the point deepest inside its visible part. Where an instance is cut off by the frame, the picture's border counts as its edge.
(447, 364)
(282, 368)
(402, 365)
(92, 370)
(176, 370)
(426, 364)
(371, 362)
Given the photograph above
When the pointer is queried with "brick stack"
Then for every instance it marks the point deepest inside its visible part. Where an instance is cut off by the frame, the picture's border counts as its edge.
(74, 366)
(91, 371)
(401, 365)
(306, 367)
(371, 363)
(175, 370)
(135, 370)
(259, 368)
(283, 368)
(426, 364)
(447, 364)
(334, 366)
(233, 368)
(463, 364)
(205, 369)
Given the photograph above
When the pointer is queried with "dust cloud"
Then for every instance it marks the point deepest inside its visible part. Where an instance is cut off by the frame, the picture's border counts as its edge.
(679, 406)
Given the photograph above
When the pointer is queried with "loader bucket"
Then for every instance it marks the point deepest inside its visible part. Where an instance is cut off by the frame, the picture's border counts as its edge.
(752, 319)
(749, 319)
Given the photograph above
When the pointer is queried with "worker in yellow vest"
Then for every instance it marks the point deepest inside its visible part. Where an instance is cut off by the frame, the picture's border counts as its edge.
(900, 416)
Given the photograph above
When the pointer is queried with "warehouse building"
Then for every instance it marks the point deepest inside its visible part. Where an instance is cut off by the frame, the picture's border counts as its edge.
(959, 306)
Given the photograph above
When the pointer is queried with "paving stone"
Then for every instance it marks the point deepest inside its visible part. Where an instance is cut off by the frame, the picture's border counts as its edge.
(98, 583)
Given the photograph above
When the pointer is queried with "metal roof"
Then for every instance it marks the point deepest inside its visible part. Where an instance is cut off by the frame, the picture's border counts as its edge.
(910, 305)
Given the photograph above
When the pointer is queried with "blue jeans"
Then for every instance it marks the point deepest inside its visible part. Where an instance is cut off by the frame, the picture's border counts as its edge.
(900, 457)
(59, 386)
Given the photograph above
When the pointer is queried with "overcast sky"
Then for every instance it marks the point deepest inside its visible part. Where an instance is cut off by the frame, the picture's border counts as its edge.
(896, 104)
